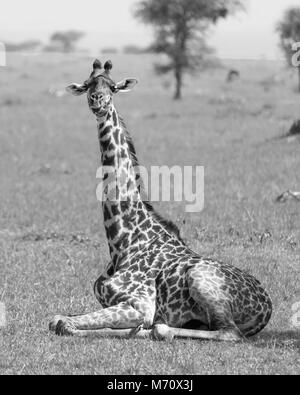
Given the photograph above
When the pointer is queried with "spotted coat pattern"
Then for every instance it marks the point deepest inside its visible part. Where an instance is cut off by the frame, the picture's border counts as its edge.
(153, 277)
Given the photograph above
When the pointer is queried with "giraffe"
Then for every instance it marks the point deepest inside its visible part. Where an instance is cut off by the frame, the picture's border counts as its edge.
(155, 286)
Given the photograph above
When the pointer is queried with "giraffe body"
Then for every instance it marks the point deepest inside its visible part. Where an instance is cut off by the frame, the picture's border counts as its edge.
(178, 286)
(154, 282)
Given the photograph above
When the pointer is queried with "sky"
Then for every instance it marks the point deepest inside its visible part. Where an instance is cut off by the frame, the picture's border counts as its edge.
(247, 35)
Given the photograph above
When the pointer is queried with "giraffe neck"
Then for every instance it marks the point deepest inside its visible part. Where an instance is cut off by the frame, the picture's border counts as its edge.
(128, 220)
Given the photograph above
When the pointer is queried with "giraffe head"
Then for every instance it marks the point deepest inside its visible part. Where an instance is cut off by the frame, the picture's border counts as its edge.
(100, 88)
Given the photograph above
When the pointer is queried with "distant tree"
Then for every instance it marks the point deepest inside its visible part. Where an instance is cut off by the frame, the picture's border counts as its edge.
(29, 45)
(180, 27)
(65, 41)
(289, 32)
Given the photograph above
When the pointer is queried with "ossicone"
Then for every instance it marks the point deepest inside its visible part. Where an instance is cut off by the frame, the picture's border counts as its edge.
(108, 66)
(97, 65)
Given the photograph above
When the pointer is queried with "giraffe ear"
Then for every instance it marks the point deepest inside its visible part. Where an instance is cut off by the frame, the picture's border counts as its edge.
(126, 85)
(77, 89)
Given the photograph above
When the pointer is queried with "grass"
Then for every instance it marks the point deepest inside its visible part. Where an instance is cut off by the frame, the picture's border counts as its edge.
(52, 244)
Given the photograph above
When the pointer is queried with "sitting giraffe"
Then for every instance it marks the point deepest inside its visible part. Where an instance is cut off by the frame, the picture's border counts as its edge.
(155, 286)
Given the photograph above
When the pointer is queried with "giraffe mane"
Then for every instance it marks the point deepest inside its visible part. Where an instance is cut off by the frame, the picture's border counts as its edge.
(167, 224)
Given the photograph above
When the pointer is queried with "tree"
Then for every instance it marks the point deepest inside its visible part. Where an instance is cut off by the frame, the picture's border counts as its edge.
(66, 41)
(289, 32)
(180, 27)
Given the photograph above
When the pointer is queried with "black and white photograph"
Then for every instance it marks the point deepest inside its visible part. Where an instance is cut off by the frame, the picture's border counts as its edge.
(150, 190)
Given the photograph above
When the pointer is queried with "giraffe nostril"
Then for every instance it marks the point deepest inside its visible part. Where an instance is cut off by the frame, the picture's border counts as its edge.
(96, 97)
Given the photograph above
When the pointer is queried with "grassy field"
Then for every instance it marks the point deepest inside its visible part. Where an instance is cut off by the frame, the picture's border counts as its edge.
(52, 244)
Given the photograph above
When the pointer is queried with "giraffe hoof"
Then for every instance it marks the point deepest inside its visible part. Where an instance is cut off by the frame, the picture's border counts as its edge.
(64, 328)
(162, 333)
(54, 322)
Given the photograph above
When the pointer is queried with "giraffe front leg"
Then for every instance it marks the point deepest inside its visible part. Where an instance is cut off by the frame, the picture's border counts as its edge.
(164, 332)
(120, 317)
